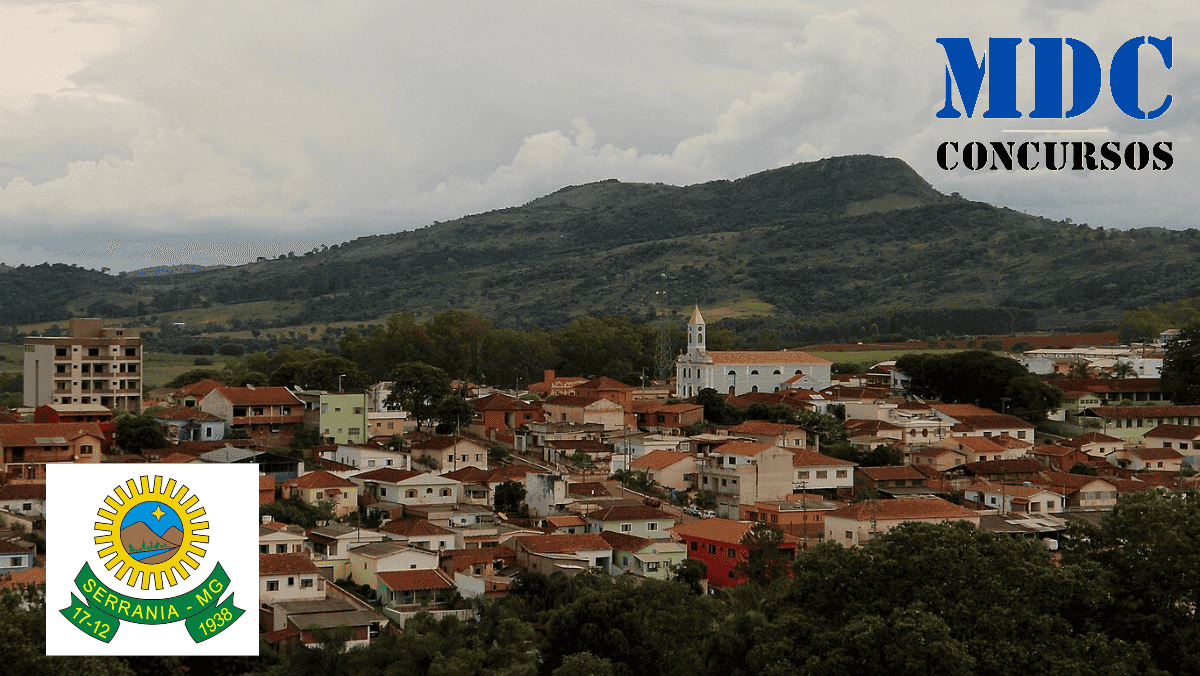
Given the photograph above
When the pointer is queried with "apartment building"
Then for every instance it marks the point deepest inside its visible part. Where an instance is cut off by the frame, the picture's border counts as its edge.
(93, 365)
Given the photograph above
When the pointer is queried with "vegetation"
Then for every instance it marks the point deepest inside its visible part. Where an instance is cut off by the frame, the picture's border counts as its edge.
(981, 378)
(920, 599)
(136, 433)
(1180, 380)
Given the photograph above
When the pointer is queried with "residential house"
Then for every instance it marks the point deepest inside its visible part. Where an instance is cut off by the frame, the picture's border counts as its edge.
(741, 371)
(1094, 444)
(26, 448)
(569, 554)
(498, 416)
(538, 435)
(820, 473)
(480, 572)
(184, 423)
(643, 557)
(407, 487)
(190, 395)
(420, 587)
(585, 410)
(1015, 498)
(1082, 492)
(858, 523)
(271, 415)
(321, 486)
(938, 456)
(365, 561)
(552, 385)
(26, 499)
(719, 543)
(79, 413)
(288, 577)
(310, 623)
(14, 557)
(639, 520)
(1060, 458)
(368, 456)
(331, 547)
(801, 515)
(421, 534)
(383, 425)
(979, 449)
(778, 434)
(276, 537)
(342, 417)
(668, 468)
(281, 467)
(565, 525)
(892, 480)
(742, 473)
(1183, 438)
(449, 453)
(1147, 459)
(669, 418)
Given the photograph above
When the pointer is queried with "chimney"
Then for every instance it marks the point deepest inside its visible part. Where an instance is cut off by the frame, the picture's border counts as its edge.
(548, 375)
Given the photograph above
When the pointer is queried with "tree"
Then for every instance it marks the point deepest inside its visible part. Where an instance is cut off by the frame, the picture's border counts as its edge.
(453, 412)
(1180, 380)
(320, 371)
(716, 409)
(1030, 398)
(971, 377)
(690, 572)
(420, 387)
(764, 561)
(138, 432)
(882, 456)
(509, 496)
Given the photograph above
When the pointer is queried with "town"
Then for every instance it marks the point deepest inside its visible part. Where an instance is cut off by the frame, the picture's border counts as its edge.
(419, 496)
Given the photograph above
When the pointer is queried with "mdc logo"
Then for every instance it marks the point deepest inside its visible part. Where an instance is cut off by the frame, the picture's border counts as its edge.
(999, 65)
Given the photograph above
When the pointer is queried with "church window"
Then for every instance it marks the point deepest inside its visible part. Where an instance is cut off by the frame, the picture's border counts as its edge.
(777, 372)
(754, 372)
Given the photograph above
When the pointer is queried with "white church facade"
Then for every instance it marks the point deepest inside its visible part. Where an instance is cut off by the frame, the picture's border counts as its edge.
(742, 371)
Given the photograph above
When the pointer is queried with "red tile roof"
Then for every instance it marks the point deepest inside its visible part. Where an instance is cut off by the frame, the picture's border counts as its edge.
(1178, 432)
(661, 459)
(1091, 438)
(280, 564)
(625, 542)
(1149, 412)
(320, 479)
(23, 492)
(743, 448)
(259, 396)
(763, 427)
(803, 457)
(43, 434)
(628, 513)
(563, 544)
(902, 509)
(891, 473)
(719, 530)
(414, 528)
(200, 388)
(387, 474)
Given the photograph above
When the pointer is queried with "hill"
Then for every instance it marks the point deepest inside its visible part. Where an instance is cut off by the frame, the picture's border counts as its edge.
(840, 240)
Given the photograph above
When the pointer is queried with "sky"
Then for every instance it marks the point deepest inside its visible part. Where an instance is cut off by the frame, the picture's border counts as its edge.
(135, 134)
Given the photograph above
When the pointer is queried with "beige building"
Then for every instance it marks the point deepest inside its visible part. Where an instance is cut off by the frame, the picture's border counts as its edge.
(856, 524)
(93, 365)
(743, 473)
(668, 468)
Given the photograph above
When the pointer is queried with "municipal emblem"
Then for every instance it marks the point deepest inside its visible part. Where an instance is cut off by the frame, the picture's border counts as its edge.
(151, 531)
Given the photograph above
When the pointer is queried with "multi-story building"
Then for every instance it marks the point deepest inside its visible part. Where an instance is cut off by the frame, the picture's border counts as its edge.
(93, 365)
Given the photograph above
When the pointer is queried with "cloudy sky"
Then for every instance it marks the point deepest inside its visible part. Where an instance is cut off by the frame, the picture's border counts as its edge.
(143, 133)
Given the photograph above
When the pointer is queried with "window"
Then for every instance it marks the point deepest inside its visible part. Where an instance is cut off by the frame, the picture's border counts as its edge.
(445, 492)
(281, 549)
(306, 582)
(411, 494)
(849, 535)
(1021, 434)
(85, 449)
(478, 457)
(272, 585)
(732, 553)
(626, 527)
(358, 410)
(264, 549)
(428, 491)
(712, 549)
(694, 546)
(27, 506)
(822, 474)
(841, 474)
(354, 431)
(802, 474)
(93, 352)
(382, 492)
(649, 526)
(291, 582)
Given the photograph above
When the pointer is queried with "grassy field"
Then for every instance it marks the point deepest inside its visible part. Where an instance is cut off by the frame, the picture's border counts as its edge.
(161, 368)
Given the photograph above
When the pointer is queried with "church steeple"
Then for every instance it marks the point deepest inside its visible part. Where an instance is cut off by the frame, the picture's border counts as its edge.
(696, 333)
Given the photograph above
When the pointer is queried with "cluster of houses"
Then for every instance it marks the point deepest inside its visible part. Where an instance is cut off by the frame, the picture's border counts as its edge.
(415, 520)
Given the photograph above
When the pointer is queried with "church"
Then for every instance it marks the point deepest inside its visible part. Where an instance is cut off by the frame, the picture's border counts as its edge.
(742, 371)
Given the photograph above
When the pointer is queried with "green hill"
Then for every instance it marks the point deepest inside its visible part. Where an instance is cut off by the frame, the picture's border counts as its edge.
(820, 241)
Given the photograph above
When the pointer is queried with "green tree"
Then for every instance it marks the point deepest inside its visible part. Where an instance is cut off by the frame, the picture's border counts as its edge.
(1180, 379)
(420, 387)
(1030, 398)
(320, 371)
(764, 560)
(453, 412)
(882, 456)
(509, 496)
(136, 433)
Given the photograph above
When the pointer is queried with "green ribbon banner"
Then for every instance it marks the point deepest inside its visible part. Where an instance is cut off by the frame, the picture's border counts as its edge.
(201, 615)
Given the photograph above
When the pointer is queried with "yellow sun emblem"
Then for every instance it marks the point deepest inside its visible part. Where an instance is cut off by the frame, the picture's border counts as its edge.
(150, 532)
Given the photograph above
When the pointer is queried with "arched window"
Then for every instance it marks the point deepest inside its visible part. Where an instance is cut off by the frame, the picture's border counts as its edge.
(754, 372)
(797, 372)
(731, 372)
(428, 491)
(754, 389)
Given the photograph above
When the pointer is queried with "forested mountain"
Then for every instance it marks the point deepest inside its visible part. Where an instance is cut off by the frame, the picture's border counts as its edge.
(837, 245)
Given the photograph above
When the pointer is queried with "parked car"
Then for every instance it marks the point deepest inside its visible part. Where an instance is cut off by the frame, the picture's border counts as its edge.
(694, 511)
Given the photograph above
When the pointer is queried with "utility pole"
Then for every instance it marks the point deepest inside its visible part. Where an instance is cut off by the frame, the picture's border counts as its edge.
(662, 351)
